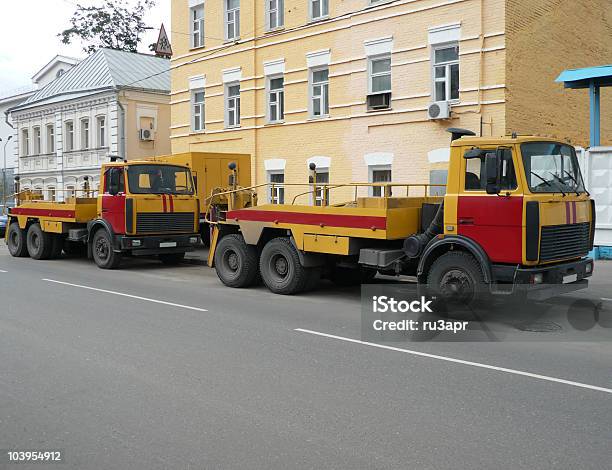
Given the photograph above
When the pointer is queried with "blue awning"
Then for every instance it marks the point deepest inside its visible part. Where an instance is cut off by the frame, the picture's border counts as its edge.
(582, 78)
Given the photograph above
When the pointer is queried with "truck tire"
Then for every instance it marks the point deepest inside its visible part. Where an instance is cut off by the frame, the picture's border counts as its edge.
(456, 277)
(236, 262)
(281, 269)
(39, 243)
(172, 259)
(16, 241)
(102, 249)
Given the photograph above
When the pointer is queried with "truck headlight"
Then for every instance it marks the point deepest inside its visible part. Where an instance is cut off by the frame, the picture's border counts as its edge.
(589, 268)
(537, 278)
(194, 240)
(136, 243)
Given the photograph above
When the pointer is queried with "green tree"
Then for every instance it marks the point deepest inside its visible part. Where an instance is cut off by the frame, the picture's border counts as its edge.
(116, 24)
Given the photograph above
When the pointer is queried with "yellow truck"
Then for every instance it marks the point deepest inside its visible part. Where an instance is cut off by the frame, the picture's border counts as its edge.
(143, 208)
(210, 170)
(515, 212)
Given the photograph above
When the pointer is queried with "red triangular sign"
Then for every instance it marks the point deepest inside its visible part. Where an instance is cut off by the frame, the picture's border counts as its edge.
(163, 47)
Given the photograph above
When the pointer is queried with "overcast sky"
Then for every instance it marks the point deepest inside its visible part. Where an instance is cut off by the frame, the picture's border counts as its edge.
(28, 41)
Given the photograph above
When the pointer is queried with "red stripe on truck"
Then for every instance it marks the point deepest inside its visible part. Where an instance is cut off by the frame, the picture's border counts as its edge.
(330, 220)
(62, 214)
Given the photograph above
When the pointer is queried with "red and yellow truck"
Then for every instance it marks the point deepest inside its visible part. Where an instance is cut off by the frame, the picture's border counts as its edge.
(143, 208)
(515, 212)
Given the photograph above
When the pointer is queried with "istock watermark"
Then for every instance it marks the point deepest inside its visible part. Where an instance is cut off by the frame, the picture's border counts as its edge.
(402, 312)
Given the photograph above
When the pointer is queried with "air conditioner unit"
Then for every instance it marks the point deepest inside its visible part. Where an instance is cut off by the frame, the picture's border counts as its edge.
(439, 110)
(147, 134)
(379, 101)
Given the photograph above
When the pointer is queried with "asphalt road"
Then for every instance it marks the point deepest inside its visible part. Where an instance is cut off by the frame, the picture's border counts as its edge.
(164, 368)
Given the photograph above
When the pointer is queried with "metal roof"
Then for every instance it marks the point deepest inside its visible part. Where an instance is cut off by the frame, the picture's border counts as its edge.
(581, 78)
(106, 69)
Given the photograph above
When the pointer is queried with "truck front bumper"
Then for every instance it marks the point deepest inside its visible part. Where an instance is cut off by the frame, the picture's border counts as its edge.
(147, 245)
(547, 281)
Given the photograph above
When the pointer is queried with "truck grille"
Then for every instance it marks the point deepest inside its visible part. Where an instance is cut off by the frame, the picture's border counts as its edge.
(155, 222)
(564, 241)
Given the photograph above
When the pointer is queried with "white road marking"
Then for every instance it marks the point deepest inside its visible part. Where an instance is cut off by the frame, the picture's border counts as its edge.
(460, 361)
(163, 302)
(3, 271)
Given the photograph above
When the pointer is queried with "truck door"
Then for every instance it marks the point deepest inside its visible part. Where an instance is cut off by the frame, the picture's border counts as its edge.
(113, 199)
(494, 221)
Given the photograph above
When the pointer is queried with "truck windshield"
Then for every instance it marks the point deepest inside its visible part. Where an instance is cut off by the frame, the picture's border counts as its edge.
(159, 179)
(552, 168)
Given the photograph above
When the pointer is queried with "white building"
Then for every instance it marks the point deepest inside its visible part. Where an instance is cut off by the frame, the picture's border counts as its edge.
(11, 98)
(66, 130)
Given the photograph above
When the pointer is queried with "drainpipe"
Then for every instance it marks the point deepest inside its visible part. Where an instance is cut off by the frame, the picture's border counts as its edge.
(121, 134)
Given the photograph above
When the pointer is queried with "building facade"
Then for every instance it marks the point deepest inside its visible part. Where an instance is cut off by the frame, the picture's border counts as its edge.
(113, 103)
(11, 98)
(366, 89)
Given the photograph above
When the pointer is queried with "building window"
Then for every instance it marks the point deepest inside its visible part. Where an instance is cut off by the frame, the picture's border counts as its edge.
(322, 194)
(25, 142)
(232, 19)
(319, 92)
(50, 138)
(36, 132)
(69, 125)
(101, 131)
(232, 105)
(198, 110)
(197, 26)
(380, 74)
(275, 14)
(51, 193)
(276, 99)
(277, 189)
(446, 73)
(379, 174)
(319, 9)
(84, 133)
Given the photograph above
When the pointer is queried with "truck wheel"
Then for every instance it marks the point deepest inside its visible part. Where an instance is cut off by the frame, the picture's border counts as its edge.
(456, 277)
(172, 259)
(281, 269)
(16, 241)
(236, 262)
(39, 243)
(102, 250)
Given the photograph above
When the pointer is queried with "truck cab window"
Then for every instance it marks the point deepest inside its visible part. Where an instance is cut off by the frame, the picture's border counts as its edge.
(475, 177)
(114, 176)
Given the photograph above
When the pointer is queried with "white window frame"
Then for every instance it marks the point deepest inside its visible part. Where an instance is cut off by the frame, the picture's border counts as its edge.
(232, 103)
(51, 193)
(198, 109)
(280, 98)
(371, 170)
(196, 26)
(50, 138)
(85, 134)
(278, 7)
(276, 195)
(321, 13)
(69, 142)
(36, 140)
(25, 142)
(101, 132)
(235, 20)
(371, 75)
(323, 97)
(447, 72)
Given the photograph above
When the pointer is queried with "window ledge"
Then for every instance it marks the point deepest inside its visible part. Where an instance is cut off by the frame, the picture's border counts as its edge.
(193, 49)
(319, 19)
(232, 40)
(274, 123)
(274, 30)
(378, 110)
(319, 118)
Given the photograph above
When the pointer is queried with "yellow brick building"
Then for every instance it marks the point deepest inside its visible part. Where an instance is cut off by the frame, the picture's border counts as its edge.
(347, 84)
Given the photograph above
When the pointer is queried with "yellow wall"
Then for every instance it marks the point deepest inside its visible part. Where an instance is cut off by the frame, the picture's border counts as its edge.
(350, 132)
(141, 108)
(543, 38)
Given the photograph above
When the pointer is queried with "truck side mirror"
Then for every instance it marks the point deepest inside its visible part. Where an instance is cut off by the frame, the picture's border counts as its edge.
(492, 165)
